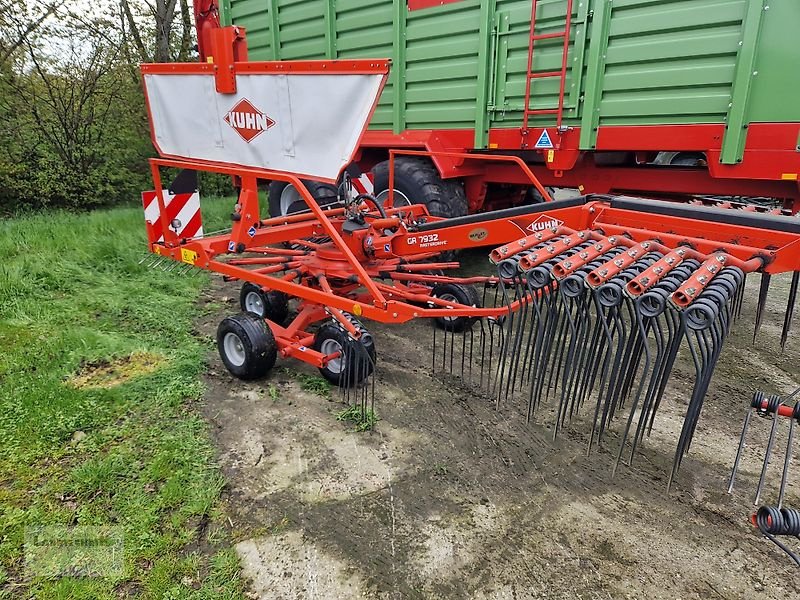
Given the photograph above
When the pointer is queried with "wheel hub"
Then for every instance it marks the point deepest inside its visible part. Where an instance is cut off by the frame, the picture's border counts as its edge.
(328, 347)
(234, 349)
(254, 303)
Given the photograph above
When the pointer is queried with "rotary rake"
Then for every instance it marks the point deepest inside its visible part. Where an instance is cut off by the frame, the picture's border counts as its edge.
(590, 302)
(602, 312)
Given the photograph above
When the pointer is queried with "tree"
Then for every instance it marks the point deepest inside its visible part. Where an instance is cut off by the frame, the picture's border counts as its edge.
(171, 30)
(73, 129)
(73, 126)
(20, 20)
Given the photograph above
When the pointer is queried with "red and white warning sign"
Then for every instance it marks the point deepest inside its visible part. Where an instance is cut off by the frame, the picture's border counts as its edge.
(183, 215)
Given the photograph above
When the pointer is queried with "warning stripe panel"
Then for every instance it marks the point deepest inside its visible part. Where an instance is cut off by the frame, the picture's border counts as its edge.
(184, 207)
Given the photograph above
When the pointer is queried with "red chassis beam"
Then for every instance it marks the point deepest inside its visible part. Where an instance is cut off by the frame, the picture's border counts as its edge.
(775, 241)
(770, 165)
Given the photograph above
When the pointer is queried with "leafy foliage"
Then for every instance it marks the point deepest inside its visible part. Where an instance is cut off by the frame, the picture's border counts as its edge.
(73, 123)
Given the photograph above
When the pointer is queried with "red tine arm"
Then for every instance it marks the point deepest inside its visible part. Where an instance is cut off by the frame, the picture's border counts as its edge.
(569, 265)
(527, 263)
(698, 280)
(613, 267)
(652, 275)
(509, 250)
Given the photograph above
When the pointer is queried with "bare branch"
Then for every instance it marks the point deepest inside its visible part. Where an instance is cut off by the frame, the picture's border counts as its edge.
(135, 34)
(186, 31)
(24, 31)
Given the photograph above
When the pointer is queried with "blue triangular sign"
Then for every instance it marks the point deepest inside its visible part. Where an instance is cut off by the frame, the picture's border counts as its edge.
(544, 140)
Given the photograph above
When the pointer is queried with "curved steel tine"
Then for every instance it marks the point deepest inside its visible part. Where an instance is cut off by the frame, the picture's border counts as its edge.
(757, 399)
(634, 404)
(762, 302)
(767, 453)
(787, 319)
(787, 459)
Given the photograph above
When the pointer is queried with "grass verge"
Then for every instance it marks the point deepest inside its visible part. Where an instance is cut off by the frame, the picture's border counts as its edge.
(91, 433)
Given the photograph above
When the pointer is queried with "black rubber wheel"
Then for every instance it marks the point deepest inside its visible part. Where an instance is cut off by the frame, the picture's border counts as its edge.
(687, 159)
(284, 199)
(462, 294)
(272, 304)
(246, 346)
(534, 196)
(417, 181)
(358, 356)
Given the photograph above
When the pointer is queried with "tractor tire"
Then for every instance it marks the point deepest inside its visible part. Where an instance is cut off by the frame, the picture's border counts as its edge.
(462, 294)
(688, 159)
(267, 304)
(284, 199)
(534, 196)
(417, 181)
(246, 346)
(358, 356)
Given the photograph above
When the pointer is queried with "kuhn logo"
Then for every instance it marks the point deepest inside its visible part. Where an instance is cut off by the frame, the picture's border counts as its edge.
(544, 222)
(247, 120)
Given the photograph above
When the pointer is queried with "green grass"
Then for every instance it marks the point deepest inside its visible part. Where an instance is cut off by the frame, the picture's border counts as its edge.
(135, 455)
(363, 420)
(313, 384)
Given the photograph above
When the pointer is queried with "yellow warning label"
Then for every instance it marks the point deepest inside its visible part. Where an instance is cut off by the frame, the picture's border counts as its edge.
(188, 256)
(789, 176)
(551, 155)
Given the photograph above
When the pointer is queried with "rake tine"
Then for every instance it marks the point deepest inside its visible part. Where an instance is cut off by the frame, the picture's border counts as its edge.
(786, 462)
(505, 346)
(772, 408)
(702, 357)
(516, 326)
(787, 321)
(519, 357)
(635, 402)
(572, 379)
(740, 297)
(755, 404)
(433, 354)
(762, 301)
(649, 404)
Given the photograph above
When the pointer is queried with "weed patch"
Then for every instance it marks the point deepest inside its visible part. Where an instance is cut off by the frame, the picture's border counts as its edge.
(106, 374)
(313, 384)
(364, 420)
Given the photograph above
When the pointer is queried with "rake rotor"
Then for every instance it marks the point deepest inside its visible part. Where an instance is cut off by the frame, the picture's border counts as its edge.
(604, 318)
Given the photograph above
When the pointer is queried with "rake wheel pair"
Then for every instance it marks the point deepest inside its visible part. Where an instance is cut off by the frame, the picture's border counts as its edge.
(248, 348)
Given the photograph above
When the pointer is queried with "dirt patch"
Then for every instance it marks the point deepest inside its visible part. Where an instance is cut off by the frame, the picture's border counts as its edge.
(450, 498)
(107, 374)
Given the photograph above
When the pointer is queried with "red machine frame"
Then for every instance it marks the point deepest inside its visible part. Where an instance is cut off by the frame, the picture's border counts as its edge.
(391, 247)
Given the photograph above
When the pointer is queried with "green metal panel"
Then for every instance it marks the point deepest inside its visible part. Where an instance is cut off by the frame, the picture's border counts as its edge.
(513, 29)
(598, 55)
(774, 97)
(398, 73)
(485, 73)
(743, 78)
(631, 62)
(442, 48)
